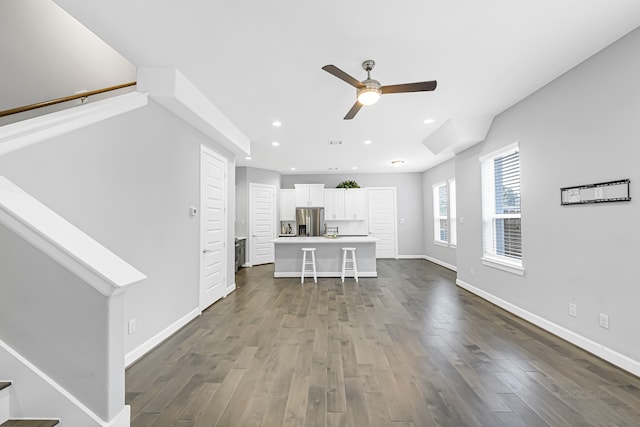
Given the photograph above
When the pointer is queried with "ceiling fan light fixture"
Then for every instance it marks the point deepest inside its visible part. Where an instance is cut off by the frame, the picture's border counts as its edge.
(370, 93)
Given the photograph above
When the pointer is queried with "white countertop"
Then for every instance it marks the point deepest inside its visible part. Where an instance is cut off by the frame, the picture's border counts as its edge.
(322, 239)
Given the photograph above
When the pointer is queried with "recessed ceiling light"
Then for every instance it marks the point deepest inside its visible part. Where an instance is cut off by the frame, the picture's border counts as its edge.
(248, 158)
(429, 121)
(397, 163)
(293, 169)
(275, 143)
(354, 167)
(277, 124)
(367, 142)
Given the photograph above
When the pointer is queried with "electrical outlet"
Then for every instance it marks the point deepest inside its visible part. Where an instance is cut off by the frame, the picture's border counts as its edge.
(472, 272)
(573, 310)
(132, 326)
(604, 321)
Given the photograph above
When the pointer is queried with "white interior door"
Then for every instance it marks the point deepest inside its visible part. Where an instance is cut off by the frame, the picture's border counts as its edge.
(382, 220)
(213, 271)
(262, 201)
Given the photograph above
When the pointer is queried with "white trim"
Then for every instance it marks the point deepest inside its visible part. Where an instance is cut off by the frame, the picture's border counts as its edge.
(63, 242)
(152, 342)
(500, 151)
(504, 266)
(441, 243)
(441, 263)
(409, 257)
(230, 289)
(335, 274)
(123, 419)
(57, 387)
(611, 356)
(18, 135)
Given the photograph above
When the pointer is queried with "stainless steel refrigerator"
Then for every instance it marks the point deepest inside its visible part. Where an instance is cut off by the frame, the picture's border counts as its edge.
(310, 221)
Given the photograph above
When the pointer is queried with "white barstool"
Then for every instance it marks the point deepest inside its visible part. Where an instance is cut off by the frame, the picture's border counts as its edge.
(305, 263)
(349, 263)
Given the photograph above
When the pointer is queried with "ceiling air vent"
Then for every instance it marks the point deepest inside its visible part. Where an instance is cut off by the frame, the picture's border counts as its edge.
(336, 142)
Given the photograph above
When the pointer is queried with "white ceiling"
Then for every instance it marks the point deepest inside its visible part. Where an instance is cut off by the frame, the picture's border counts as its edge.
(260, 61)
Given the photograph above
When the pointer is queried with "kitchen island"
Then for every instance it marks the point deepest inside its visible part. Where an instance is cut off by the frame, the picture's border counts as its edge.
(288, 255)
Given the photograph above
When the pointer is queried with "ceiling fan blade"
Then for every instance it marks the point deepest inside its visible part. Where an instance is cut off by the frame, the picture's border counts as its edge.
(410, 87)
(332, 69)
(353, 111)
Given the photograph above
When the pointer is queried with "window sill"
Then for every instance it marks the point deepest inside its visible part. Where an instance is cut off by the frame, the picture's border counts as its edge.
(503, 265)
(440, 243)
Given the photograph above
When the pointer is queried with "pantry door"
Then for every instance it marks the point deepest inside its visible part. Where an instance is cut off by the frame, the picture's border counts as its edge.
(382, 220)
(262, 202)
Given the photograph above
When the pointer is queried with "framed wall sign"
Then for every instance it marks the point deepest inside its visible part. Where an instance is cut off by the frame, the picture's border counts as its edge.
(612, 191)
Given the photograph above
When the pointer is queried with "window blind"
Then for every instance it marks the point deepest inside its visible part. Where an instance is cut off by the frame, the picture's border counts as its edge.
(501, 205)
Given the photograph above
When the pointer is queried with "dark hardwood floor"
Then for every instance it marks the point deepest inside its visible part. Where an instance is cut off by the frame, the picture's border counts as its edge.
(406, 349)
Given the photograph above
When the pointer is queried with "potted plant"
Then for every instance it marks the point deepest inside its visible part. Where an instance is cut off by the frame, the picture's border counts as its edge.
(348, 184)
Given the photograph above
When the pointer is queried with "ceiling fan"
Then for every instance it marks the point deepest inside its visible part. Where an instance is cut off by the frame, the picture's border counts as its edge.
(369, 90)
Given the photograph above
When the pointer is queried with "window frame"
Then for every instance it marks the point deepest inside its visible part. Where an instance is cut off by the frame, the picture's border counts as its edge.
(490, 257)
(437, 216)
(450, 217)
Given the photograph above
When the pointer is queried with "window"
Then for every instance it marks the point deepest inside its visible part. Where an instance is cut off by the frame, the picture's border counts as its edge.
(501, 210)
(444, 213)
(441, 213)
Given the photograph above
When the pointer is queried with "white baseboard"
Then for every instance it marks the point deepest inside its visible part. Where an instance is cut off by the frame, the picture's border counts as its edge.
(611, 356)
(123, 419)
(148, 345)
(439, 262)
(335, 274)
(410, 257)
(230, 289)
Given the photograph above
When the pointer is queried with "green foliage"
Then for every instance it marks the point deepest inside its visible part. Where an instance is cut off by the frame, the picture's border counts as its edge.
(348, 184)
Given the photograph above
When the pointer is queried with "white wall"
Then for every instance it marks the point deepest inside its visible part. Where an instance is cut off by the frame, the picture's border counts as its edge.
(128, 182)
(582, 128)
(408, 194)
(446, 255)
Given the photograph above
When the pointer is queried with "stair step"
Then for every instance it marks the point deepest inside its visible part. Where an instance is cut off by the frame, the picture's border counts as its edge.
(29, 423)
(4, 384)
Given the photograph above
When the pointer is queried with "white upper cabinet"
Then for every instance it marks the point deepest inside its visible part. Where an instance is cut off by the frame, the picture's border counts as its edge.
(309, 195)
(334, 204)
(288, 205)
(355, 204)
(341, 204)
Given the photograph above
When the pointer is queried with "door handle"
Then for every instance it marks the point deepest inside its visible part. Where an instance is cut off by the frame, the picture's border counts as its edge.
(206, 251)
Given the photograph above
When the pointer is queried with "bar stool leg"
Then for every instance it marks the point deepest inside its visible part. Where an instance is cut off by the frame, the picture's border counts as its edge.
(355, 266)
(313, 259)
(304, 264)
(344, 264)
